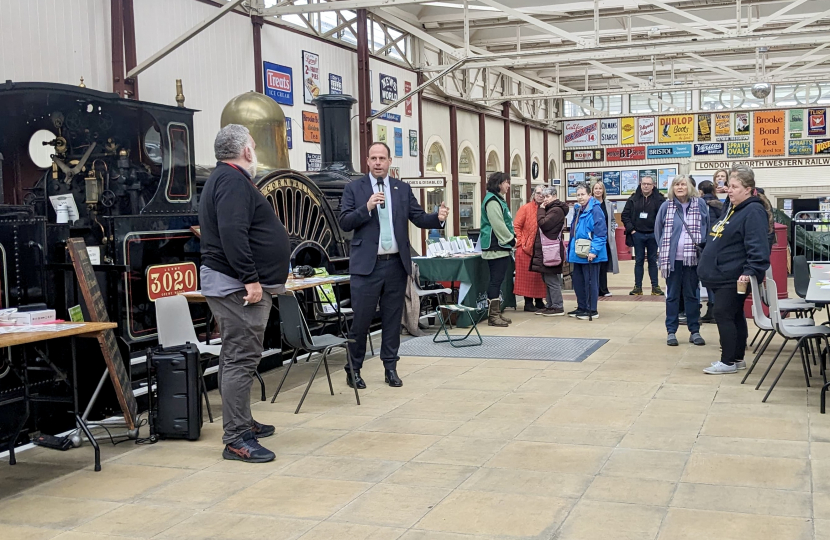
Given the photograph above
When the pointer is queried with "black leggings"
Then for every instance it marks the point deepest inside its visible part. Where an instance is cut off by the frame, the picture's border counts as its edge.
(498, 269)
(729, 315)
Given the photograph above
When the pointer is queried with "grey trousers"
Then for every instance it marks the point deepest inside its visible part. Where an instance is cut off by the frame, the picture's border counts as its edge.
(554, 284)
(242, 329)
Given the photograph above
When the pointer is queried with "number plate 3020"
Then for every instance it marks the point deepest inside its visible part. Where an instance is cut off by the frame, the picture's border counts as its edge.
(170, 279)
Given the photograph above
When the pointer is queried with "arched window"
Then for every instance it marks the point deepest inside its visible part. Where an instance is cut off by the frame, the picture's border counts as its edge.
(552, 169)
(435, 158)
(493, 164)
(516, 167)
(466, 162)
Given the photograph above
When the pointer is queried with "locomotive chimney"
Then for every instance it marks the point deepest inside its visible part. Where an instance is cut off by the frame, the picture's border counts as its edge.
(336, 131)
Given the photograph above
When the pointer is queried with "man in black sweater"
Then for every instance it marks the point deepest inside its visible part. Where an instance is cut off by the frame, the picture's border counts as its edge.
(638, 218)
(245, 257)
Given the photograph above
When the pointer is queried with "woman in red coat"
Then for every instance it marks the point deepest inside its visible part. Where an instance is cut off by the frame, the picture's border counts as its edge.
(528, 284)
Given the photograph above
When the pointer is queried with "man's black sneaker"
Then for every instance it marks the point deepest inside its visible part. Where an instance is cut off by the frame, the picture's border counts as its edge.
(248, 449)
(585, 315)
(575, 313)
(263, 430)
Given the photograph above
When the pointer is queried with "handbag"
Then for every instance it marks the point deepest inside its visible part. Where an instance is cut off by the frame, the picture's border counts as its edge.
(582, 246)
(551, 249)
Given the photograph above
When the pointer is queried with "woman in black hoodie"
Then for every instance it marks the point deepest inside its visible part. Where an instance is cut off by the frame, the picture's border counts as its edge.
(737, 248)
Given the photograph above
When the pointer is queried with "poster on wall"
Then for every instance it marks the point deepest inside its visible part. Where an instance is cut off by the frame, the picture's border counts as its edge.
(413, 143)
(388, 89)
(665, 177)
(278, 83)
(335, 84)
(611, 179)
(398, 142)
(822, 146)
(818, 122)
(629, 180)
(651, 173)
(311, 76)
(737, 149)
(627, 130)
(709, 149)
(796, 123)
(610, 131)
(382, 134)
(313, 162)
(769, 133)
(592, 177)
(288, 135)
(723, 124)
(669, 151)
(645, 129)
(800, 147)
(311, 127)
(704, 127)
(571, 156)
(407, 88)
(742, 123)
(625, 153)
(395, 172)
(676, 128)
(574, 179)
(580, 133)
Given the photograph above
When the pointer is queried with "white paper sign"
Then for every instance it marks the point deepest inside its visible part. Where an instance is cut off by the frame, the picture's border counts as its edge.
(66, 200)
(581, 133)
(645, 129)
(610, 131)
(94, 253)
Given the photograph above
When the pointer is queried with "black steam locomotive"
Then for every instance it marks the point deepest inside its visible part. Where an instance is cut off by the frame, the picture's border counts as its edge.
(121, 174)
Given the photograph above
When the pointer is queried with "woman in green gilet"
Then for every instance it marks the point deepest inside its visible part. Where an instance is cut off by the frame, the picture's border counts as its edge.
(497, 241)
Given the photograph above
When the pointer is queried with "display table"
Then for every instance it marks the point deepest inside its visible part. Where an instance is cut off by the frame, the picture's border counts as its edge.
(471, 272)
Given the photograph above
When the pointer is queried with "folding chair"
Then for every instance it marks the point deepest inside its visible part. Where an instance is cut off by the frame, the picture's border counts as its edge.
(456, 341)
(296, 335)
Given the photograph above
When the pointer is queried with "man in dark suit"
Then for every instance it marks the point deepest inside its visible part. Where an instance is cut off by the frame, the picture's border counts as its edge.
(378, 209)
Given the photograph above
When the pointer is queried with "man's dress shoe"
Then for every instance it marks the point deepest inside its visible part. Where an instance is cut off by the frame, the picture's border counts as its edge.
(361, 384)
(392, 378)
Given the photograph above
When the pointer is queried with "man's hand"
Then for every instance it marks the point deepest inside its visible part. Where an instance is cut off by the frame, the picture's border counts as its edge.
(443, 212)
(375, 200)
(254, 291)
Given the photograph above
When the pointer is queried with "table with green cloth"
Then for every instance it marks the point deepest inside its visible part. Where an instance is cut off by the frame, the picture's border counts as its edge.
(471, 273)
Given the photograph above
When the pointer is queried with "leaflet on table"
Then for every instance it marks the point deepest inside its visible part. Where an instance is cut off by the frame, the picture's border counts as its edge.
(328, 299)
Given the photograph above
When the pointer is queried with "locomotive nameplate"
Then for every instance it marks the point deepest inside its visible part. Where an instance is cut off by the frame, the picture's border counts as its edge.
(98, 313)
(278, 183)
(170, 279)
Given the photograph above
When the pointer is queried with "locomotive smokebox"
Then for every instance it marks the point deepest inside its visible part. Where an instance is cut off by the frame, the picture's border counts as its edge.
(265, 120)
(335, 132)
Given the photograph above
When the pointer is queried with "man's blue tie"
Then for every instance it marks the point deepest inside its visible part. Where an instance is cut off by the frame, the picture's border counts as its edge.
(385, 227)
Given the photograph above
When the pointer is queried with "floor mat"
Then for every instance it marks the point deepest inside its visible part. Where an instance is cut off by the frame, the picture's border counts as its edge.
(508, 348)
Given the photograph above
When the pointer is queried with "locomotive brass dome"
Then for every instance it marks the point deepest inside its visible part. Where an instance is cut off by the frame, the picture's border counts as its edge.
(265, 120)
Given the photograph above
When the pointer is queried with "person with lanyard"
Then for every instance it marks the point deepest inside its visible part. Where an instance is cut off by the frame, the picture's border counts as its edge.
(245, 258)
(638, 217)
(378, 208)
(679, 229)
(497, 240)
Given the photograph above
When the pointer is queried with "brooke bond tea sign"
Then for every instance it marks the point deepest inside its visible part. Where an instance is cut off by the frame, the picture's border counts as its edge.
(625, 153)
(818, 122)
(676, 128)
(571, 156)
(645, 129)
(278, 83)
(581, 133)
(627, 129)
(769, 133)
(610, 131)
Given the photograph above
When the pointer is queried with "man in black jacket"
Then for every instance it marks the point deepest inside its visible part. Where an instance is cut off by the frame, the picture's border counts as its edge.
(638, 218)
(245, 257)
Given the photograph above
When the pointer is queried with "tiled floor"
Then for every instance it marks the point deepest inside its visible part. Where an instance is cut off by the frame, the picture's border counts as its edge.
(633, 443)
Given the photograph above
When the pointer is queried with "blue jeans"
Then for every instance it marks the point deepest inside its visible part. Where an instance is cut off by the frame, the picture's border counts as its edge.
(585, 279)
(682, 280)
(644, 242)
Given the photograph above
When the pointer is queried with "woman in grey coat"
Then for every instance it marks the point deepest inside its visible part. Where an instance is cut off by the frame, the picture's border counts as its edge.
(612, 265)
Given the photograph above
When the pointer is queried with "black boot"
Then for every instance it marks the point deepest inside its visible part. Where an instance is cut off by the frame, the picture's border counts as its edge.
(358, 380)
(540, 304)
(709, 317)
(392, 379)
(529, 304)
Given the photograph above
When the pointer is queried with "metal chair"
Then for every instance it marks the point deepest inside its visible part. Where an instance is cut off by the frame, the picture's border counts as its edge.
(765, 326)
(341, 314)
(800, 333)
(296, 335)
(456, 342)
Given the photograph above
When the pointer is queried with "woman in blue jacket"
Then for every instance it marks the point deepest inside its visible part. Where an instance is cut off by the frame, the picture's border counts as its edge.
(588, 224)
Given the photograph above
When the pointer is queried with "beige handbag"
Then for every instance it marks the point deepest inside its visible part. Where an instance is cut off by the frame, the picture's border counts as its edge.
(582, 248)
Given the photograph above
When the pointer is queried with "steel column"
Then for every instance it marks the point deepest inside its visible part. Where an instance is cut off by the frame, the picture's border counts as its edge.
(130, 61)
(364, 96)
(455, 203)
(117, 42)
(545, 158)
(505, 113)
(482, 153)
(257, 22)
(421, 169)
(528, 164)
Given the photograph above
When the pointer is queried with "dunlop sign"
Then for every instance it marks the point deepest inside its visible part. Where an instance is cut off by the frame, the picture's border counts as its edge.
(676, 128)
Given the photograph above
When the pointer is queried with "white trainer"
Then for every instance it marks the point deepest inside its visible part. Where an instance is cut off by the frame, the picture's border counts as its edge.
(719, 368)
(739, 364)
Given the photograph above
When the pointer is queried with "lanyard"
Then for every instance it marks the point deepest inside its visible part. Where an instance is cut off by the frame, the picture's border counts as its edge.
(240, 170)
